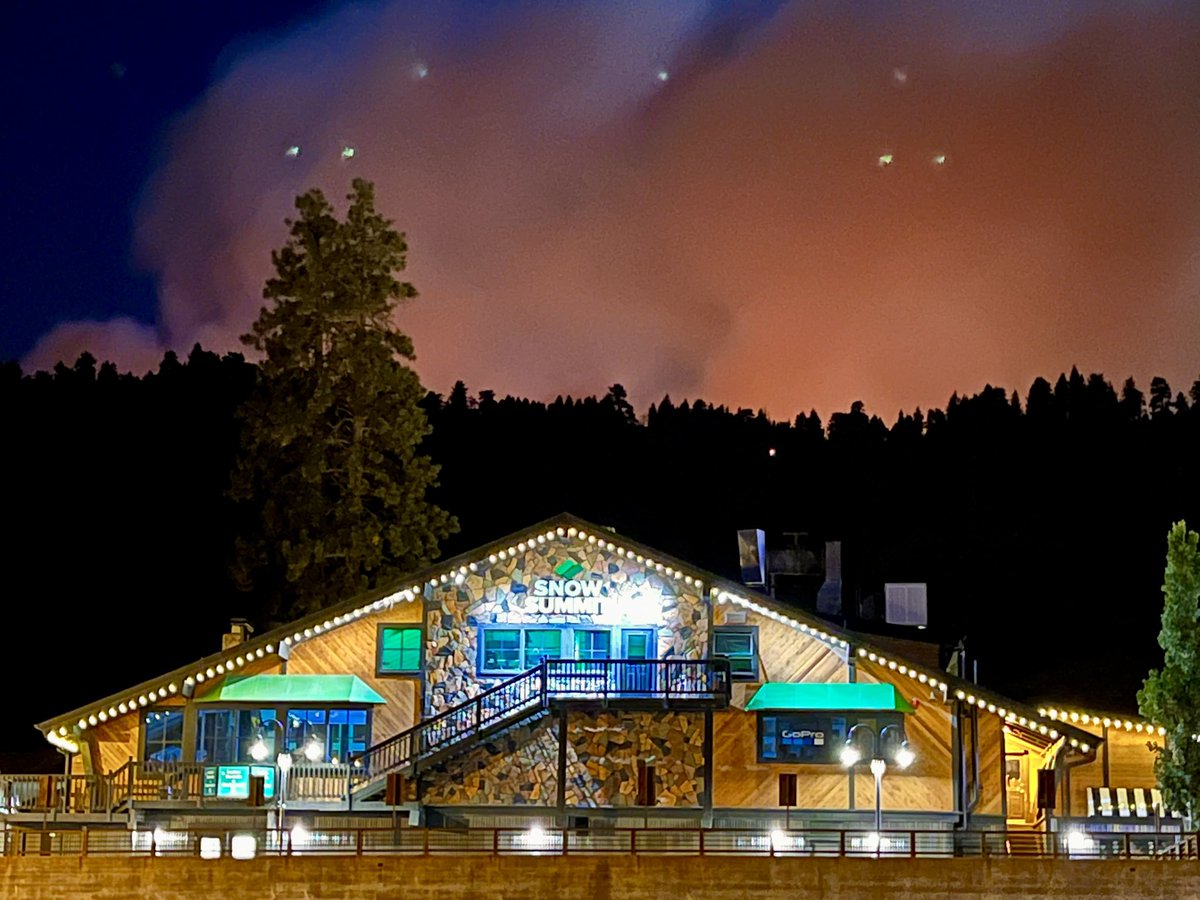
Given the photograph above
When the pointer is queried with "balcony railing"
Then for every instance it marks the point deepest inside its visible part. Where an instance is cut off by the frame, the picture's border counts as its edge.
(244, 843)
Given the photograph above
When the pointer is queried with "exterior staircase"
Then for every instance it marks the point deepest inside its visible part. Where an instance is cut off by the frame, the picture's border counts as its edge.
(1025, 840)
(528, 696)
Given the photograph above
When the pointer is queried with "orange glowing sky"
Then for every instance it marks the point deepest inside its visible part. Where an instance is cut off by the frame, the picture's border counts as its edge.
(574, 220)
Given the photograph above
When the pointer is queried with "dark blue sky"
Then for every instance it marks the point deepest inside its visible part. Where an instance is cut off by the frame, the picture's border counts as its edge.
(90, 89)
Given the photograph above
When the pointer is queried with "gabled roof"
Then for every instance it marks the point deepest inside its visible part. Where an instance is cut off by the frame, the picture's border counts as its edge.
(561, 527)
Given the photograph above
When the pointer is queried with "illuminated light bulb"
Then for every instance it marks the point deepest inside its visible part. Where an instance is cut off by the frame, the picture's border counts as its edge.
(142, 700)
(512, 551)
(939, 159)
(458, 579)
(123, 708)
(82, 723)
(891, 664)
(1052, 713)
(92, 720)
(991, 707)
(572, 531)
(559, 531)
(1139, 727)
(493, 558)
(473, 567)
(241, 660)
(103, 716)
(903, 670)
(288, 640)
(1083, 747)
(308, 632)
(663, 76)
(971, 698)
(258, 750)
(862, 651)
(1023, 720)
(541, 539)
(297, 637)
(583, 535)
(1107, 722)
(1074, 717)
(1053, 734)
(850, 755)
(199, 676)
(1074, 743)
(444, 579)
(521, 547)
(1161, 731)
(885, 160)
(292, 152)
(982, 703)
(153, 696)
(942, 685)
(259, 653)
(112, 711)
(922, 678)
(62, 730)
(1086, 719)
(1128, 725)
(348, 152)
(220, 669)
(1001, 711)
(905, 756)
(640, 558)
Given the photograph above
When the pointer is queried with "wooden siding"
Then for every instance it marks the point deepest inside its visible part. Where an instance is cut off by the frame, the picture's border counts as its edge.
(991, 765)
(785, 654)
(1130, 765)
(350, 650)
(739, 780)
(928, 783)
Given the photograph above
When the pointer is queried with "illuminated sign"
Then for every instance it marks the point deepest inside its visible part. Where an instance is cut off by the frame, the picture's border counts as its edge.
(804, 736)
(553, 596)
(233, 782)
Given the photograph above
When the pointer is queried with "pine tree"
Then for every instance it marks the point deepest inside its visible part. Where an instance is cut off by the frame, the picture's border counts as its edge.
(330, 480)
(1170, 697)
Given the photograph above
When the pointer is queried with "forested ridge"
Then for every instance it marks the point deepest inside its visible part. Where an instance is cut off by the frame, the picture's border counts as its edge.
(1037, 518)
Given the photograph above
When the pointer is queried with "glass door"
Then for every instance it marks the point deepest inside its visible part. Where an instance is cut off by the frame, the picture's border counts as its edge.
(637, 643)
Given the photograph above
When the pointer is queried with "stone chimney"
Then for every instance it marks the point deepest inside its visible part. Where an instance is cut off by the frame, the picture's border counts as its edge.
(239, 632)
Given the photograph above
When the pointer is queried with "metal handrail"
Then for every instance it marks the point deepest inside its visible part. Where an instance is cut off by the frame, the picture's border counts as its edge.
(531, 691)
(540, 840)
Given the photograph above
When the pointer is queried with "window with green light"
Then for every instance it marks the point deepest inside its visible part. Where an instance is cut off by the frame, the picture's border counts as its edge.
(740, 646)
(399, 650)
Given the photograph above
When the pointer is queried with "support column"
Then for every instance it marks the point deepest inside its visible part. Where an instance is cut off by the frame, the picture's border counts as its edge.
(562, 767)
(706, 796)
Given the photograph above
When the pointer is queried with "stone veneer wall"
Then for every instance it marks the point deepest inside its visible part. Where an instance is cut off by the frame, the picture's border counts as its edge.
(494, 594)
(520, 768)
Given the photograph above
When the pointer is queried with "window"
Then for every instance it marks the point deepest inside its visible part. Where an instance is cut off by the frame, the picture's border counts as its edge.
(162, 735)
(542, 644)
(593, 644)
(399, 650)
(336, 733)
(225, 736)
(500, 650)
(804, 737)
(740, 647)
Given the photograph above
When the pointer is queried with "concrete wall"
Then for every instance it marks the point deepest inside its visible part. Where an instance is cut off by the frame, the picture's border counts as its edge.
(586, 878)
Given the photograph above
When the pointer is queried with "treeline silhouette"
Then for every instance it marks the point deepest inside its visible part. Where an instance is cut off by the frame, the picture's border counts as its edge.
(1038, 522)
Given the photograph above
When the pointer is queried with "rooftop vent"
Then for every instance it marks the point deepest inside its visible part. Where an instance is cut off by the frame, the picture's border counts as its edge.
(906, 604)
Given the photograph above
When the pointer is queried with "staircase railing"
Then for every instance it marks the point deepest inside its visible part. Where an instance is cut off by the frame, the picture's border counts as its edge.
(520, 695)
(509, 701)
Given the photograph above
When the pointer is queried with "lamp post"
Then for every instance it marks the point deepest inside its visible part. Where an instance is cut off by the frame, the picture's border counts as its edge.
(283, 764)
(902, 756)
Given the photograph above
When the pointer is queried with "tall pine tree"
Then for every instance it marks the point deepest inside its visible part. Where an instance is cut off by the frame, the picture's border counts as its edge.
(1170, 697)
(330, 480)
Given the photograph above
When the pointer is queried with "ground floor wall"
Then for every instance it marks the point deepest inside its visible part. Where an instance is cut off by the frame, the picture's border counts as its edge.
(605, 751)
(587, 878)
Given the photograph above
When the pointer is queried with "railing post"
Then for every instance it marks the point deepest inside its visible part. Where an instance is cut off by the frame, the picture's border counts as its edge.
(912, 845)
(358, 842)
(633, 842)
(1128, 849)
(842, 843)
(495, 842)
(425, 841)
(83, 841)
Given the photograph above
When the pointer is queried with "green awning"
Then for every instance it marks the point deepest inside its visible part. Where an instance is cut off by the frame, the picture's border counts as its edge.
(813, 697)
(290, 689)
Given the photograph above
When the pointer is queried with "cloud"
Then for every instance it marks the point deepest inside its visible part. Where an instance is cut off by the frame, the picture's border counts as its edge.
(574, 220)
(131, 345)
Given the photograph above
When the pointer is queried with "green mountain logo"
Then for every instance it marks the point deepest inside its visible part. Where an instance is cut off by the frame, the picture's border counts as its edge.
(568, 568)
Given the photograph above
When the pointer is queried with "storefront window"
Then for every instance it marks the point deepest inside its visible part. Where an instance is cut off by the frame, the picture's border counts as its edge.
(226, 735)
(162, 735)
(740, 646)
(337, 733)
(399, 650)
(801, 737)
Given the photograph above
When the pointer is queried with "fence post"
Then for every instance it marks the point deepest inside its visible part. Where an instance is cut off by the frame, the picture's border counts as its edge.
(633, 842)
(425, 841)
(841, 843)
(1128, 848)
(912, 844)
(701, 841)
(83, 841)
(566, 840)
(495, 842)
(358, 842)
